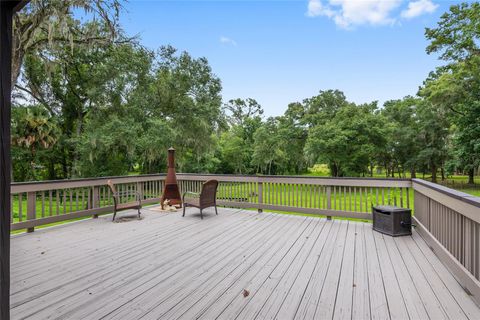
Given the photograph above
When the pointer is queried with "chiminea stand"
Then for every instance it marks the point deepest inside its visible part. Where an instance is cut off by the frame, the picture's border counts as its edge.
(171, 191)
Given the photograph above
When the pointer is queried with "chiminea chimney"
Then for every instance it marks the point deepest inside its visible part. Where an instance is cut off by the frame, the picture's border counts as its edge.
(171, 191)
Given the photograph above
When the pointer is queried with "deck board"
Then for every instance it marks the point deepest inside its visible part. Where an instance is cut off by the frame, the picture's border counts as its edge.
(168, 267)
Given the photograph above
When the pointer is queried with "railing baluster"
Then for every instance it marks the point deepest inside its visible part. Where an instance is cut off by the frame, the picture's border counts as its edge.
(329, 200)
(31, 208)
(76, 199)
(50, 203)
(43, 204)
(64, 202)
(57, 201)
(20, 207)
(355, 199)
(71, 200)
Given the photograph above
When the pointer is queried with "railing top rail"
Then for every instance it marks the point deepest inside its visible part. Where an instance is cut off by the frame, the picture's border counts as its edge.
(462, 196)
(86, 179)
(90, 182)
(78, 183)
(292, 176)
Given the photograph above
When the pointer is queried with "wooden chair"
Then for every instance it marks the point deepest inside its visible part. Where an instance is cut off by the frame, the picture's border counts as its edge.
(205, 199)
(117, 203)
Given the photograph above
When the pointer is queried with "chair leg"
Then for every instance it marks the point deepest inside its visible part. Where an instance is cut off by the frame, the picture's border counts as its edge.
(114, 214)
(216, 212)
(201, 214)
(139, 213)
(183, 211)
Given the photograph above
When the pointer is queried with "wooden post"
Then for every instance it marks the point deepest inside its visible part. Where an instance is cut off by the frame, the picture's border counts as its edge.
(329, 200)
(6, 13)
(260, 196)
(31, 208)
(140, 189)
(95, 200)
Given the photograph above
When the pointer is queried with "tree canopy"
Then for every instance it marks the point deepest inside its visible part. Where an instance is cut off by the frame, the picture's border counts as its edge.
(92, 101)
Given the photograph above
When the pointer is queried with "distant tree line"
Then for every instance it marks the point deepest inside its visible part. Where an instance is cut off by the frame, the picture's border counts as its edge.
(92, 102)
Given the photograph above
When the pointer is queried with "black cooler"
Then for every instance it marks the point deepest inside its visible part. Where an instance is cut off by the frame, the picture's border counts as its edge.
(392, 220)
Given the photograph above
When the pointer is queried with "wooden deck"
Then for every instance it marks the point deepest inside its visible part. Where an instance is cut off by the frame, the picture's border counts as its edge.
(168, 267)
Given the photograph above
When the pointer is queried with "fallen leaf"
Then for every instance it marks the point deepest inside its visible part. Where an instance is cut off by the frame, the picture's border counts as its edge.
(245, 293)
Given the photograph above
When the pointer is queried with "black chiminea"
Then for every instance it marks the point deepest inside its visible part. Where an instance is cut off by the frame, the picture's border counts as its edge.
(392, 220)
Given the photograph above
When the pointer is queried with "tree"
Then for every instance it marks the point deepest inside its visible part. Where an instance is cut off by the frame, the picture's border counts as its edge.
(403, 133)
(457, 33)
(268, 154)
(242, 110)
(348, 141)
(186, 93)
(48, 24)
(433, 136)
(34, 131)
(456, 86)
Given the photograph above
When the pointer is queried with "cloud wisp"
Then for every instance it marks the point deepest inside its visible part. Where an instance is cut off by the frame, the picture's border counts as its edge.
(350, 13)
(418, 8)
(228, 41)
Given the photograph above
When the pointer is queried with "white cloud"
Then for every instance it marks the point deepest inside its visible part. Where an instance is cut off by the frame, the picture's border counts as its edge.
(315, 9)
(419, 7)
(227, 40)
(350, 13)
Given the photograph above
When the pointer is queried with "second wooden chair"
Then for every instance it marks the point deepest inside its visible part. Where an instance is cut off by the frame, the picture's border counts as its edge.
(205, 199)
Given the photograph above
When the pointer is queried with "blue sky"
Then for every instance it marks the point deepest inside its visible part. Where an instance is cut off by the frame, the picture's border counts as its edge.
(284, 51)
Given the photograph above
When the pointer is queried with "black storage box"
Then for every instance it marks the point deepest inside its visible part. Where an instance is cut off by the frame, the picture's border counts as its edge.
(391, 220)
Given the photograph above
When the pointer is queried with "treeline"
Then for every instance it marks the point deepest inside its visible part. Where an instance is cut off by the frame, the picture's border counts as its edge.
(100, 104)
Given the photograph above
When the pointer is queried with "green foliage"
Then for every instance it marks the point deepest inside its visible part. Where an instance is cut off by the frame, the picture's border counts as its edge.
(348, 140)
(33, 133)
(101, 104)
(454, 88)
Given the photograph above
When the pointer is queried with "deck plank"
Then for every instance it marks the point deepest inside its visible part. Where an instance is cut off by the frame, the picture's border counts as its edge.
(413, 301)
(193, 306)
(376, 286)
(430, 301)
(260, 287)
(112, 275)
(326, 304)
(279, 284)
(295, 293)
(361, 291)
(221, 298)
(308, 304)
(168, 267)
(163, 298)
(396, 302)
(199, 252)
(455, 301)
(344, 296)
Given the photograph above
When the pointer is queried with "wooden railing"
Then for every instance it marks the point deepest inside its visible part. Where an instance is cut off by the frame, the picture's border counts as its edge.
(41, 203)
(449, 221)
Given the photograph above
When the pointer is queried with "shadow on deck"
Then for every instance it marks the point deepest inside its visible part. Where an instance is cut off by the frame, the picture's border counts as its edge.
(239, 264)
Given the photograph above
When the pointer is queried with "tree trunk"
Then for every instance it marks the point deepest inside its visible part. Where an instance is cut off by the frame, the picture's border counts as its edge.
(471, 176)
(413, 173)
(434, 173)
(442, 170)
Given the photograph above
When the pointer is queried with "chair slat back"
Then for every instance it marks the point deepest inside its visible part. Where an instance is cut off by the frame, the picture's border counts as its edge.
(209, 193)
